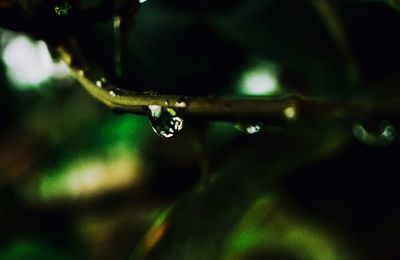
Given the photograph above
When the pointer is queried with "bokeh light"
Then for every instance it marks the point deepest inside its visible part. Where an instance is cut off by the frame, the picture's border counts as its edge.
(91, 177)
(260, 79)
(28, 62)
(282, 233)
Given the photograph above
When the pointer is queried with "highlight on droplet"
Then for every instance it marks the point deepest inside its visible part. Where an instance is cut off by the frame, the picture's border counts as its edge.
(249, 128)
(165, 121)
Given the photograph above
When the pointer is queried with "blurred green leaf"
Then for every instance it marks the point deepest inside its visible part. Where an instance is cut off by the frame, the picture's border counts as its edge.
(200, 225)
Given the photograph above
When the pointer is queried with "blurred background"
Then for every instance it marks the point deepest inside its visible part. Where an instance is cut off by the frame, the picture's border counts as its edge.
(78, 181)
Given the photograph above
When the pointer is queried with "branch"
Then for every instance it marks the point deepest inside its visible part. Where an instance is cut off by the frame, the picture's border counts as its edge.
(248, 109)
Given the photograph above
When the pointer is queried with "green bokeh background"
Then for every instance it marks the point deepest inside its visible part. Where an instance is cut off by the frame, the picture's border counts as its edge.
(78, 181)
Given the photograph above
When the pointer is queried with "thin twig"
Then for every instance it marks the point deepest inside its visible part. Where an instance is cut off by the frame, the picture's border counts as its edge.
(251, 109)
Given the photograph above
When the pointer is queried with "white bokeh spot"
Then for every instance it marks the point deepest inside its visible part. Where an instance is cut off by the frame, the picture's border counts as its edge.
(28, 63)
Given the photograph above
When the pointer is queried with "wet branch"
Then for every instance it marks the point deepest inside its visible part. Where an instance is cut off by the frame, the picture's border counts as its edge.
(264, 109)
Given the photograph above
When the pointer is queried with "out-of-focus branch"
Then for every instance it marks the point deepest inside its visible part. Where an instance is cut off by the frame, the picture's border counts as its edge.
(327, 10)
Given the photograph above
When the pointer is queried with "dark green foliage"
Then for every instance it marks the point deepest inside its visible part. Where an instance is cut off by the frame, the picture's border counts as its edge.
(77, 181)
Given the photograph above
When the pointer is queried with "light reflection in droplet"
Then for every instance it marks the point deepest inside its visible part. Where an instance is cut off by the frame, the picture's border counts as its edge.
(249, 128)
(165, 121)
(181, 104)
(112, 93)
(99, 83)
(155, 110)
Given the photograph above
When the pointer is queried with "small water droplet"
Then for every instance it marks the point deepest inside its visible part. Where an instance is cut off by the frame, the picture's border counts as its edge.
(249, 128)
(181, 102)
(63, 8)
(290, 112)
(99, 83)
(81, 73)
(165, 121)
(112, 93)
(383, 135)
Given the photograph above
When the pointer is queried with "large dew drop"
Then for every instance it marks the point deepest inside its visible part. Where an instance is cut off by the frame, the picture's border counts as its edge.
(165, 121)
(249, 128)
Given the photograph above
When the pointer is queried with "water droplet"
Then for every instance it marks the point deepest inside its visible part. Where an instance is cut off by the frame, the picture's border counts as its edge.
(290, 112)
(112, 93)
(63, 8)
(384, 135)
(249, 128)
(81, 73)
(99, 83)
(182, 102)
(165, 121)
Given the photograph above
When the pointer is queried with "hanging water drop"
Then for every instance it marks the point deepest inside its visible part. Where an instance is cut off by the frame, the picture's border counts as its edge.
(383, 135)
(100, 83)
(249, 128)
(63, 8)
(165, 121)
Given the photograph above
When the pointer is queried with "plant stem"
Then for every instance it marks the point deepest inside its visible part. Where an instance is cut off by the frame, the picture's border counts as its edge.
(249, 109)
